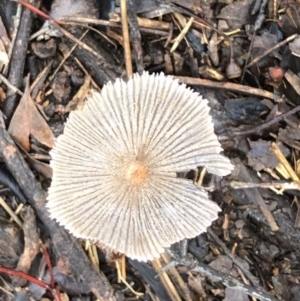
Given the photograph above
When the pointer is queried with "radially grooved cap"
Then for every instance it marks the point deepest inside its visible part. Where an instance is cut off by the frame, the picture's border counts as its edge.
(114, 167)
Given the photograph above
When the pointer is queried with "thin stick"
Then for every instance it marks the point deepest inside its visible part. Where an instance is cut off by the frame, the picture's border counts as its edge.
(183, 285)
(182, 34)
(268, 123)
(142, 22)
(94, 248)
(86, 73)
(126, 38)
(5, 291)
(10, 85)
(224, 85)
(92, 257)
(201, 178)
(129, 71)
(284, 162)
(257, 59)
(271, 185)
(11, 213)
(17, 211)
(166, 280)
(125, 282)
(123, 266)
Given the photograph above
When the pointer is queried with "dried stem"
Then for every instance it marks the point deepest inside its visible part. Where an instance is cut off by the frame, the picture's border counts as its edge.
(224, 85)
(126, 39)
(270, 50)
(280, 156)
(267, 124)
(166, 280)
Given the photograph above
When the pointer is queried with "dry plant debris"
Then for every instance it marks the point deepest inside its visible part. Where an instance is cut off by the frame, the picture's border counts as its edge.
(28, 120)
(239, 48)
(114, 168)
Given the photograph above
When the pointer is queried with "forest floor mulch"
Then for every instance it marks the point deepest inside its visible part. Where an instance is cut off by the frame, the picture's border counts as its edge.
(243, 56)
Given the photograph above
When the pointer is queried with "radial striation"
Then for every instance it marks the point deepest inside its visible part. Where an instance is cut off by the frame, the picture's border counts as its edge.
(114, 168)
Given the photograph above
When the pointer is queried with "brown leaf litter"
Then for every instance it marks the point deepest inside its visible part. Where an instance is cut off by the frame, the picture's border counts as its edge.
(28, 121)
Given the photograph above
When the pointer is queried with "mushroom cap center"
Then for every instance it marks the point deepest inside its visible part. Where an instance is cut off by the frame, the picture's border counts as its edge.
(137, 172)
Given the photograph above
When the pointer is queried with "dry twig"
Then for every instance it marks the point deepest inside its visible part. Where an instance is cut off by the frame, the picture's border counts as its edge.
(270, 50)
(166, 280)
(182, 34)
(11, 212)
(126, 38)
(225, 85)
(273, 185)
(174, 273)
(267, 124)
(280, 156)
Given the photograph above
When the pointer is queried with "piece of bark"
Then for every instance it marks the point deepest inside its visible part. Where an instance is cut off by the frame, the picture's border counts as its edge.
(17, 62)
(135, 36)
(65, 246)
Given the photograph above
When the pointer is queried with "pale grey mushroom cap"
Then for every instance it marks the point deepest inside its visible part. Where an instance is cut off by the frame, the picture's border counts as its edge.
(114, 167)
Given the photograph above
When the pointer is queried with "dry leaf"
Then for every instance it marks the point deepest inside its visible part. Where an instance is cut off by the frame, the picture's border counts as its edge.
(27, 120)
(19, 127)
(240, 19)
(261, 155)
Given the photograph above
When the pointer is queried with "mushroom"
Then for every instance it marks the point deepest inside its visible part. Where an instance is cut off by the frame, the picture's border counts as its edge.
(114, 167)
